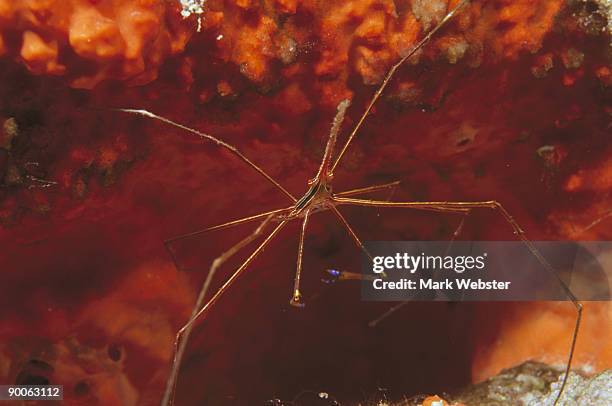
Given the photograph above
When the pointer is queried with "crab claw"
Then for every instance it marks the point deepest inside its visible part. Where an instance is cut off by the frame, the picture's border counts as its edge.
(296, 300)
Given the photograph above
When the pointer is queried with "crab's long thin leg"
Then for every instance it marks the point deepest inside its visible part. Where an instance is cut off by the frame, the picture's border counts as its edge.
(227, 225)
(390, 74)
(457, 232)
(495, 205)
(217, 141)
(296, 299)
(345, 222)
(199, 311)
(451, 207)
(387, 313)
(168, 242)
(594, 223)
(236, 274)
(352, 233)
(368, 189)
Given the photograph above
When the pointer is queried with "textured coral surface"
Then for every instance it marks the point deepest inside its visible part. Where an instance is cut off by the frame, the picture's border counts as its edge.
(509, 102)
(90, 41)
(531, 383)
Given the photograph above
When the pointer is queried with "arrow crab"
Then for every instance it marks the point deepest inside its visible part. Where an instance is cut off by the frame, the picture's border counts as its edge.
(321, 196)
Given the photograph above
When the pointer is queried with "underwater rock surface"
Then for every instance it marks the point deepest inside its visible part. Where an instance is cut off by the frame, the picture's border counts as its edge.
(531, 383)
